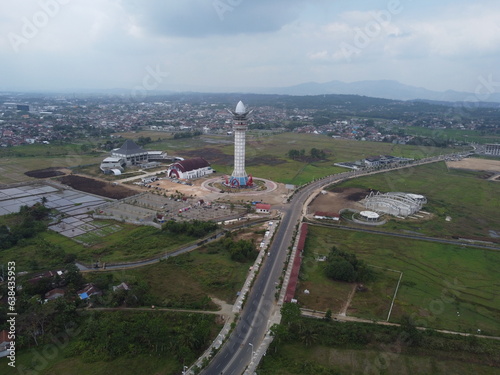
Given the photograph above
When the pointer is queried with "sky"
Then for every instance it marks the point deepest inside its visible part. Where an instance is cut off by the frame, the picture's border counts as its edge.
(224, 45)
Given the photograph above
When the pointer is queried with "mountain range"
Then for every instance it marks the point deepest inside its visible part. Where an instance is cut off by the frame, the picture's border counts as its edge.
(386, 89)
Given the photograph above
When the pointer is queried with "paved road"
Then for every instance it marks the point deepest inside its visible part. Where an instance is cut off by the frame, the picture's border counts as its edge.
(235, 355)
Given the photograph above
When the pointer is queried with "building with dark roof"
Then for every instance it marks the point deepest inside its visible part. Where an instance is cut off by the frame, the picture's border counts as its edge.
(189, 169)
(131, 153)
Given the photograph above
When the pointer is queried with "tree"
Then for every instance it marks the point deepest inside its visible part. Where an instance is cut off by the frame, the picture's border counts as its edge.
(328, 315)
(341, 270)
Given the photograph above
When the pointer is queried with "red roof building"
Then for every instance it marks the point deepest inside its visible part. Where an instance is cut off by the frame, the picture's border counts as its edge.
(262, 208)
(190, 168)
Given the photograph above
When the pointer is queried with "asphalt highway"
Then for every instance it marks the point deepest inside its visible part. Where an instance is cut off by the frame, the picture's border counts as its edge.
(235, 355)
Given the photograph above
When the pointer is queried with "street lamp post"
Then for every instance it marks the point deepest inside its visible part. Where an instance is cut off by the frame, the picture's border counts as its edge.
(184, 368)
(253, 353)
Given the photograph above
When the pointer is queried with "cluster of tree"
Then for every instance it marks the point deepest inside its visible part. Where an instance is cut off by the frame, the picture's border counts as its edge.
(29, 222)
(431, 142)
(193, 228)
(187, 134)
(239, 251)
(106, 336)
(314, 154)
(144, 141)
(347, 267)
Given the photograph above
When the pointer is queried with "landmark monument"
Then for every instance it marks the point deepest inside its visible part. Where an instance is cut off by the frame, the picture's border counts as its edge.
(239, 177)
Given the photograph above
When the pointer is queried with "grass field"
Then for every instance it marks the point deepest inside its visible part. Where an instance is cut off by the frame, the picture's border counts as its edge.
(443, 286)
(266, 156)
(471, 202)
(295, 359)
(30, 361)
(455, 135)
(186, 280)
(264, 153)
(119, 242)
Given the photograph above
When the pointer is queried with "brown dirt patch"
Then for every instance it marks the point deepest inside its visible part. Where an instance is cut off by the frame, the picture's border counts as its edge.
(338, 199)
(475, 164)
(45, 173)
(210, 154)
(102, 188)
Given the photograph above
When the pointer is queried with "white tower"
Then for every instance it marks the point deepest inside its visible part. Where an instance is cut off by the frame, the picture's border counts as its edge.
(239, 177)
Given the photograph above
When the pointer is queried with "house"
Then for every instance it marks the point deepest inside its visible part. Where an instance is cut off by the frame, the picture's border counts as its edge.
(326, 216)
(262, 208)
(46, 275)
(88, 291)
(54, 294)
(122, 286)
(4, 343)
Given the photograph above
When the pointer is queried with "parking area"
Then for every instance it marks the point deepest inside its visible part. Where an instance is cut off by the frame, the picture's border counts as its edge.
(147, 207)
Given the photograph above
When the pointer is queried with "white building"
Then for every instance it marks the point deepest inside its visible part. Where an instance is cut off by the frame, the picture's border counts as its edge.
(112, 163)
(189, 169)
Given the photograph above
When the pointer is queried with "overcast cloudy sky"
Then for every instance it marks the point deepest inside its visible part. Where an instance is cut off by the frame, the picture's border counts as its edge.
(168, 44)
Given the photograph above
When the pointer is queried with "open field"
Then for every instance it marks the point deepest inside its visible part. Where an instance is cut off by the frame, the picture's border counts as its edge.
(295, 359)
(187, 281)
(264, 153)
(267, 156)
(457, 135)
(476, 164)
(470, 201)
(443, 286)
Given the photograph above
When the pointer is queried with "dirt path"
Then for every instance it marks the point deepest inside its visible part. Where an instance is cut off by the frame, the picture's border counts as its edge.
(225, 309)
(343, 311)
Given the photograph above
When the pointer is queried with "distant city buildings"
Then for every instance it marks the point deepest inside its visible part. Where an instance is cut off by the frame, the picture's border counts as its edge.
(48, 118)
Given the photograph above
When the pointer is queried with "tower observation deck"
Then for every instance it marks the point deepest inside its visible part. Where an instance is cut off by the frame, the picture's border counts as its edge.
(239, 177)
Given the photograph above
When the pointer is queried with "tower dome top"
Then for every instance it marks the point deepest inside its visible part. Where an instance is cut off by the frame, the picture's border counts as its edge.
(240, 108)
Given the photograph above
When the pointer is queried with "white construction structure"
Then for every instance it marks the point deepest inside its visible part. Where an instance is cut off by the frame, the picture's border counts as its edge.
(396, 204)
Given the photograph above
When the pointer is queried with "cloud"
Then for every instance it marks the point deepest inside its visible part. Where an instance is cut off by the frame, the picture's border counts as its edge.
(199, 18)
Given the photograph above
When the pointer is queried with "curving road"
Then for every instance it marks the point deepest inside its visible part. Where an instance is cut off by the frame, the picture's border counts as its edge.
(234, 357)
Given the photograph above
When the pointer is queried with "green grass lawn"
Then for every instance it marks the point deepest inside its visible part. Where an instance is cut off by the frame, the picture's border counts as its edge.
(438, 280)
(375, 302)
(471, 202)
